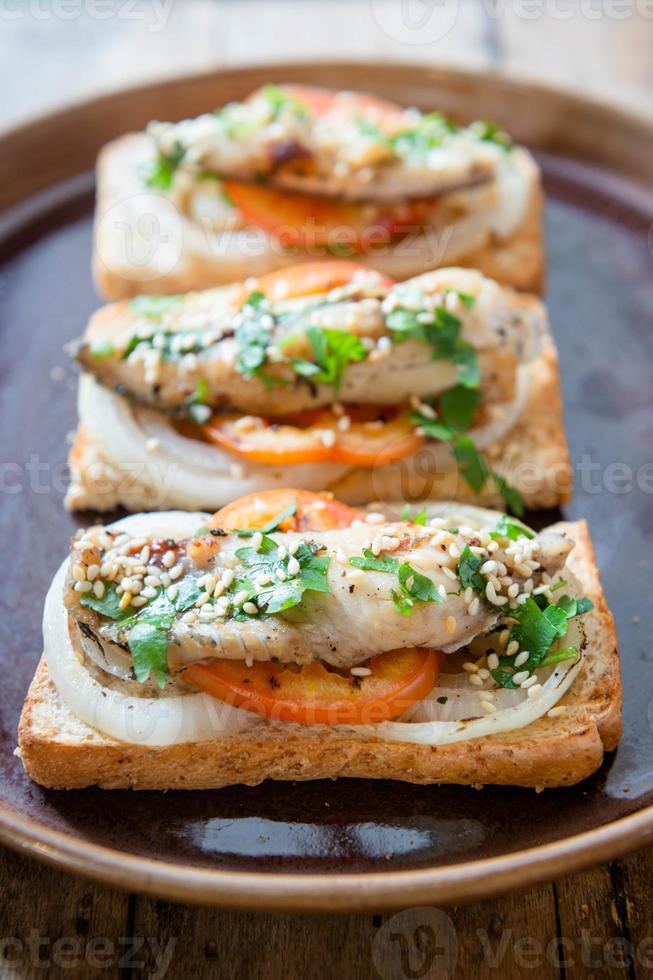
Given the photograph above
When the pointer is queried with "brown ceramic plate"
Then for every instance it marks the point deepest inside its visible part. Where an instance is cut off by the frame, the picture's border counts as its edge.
(351, 844)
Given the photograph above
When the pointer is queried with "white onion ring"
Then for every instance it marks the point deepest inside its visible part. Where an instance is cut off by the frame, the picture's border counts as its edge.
(153, 721)
(181, 471)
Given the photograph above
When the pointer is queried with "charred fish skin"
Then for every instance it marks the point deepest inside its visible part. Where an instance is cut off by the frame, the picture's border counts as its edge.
(207, 347)
(370, 590)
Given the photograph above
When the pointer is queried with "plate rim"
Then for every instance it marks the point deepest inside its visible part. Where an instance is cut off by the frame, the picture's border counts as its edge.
(332, 891)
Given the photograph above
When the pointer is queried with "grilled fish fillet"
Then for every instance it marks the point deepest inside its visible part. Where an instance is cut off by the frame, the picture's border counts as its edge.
(355, 620)
(199, 340)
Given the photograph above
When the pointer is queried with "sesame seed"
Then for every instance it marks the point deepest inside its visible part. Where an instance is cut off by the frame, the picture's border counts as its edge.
(558, 710)
(344, 423)
(489, 707)
(281, 575)
(442, 591)
(535, 691)
(149, 593)
(470, 667)
(204, 597)
(360, 671)
(292, 548)
(454, 550)
(438, 538)
(79, 573)
(474, 606)
(92, 572)
(492, 661)
(83, 586)
(257, 540)
(491, 596)
(282, 551)
(512, 647)
(468, 595)
(450, 624)
(125, 600)
(169, 559)
(449, 572)
(520, 676)
(227, 577)
(241, 597)
(488, 567)
(374, 517)
(377, 544)
(176, 572)
(172, 593)
(98, 589)
(521, 658)
(483, 673)
(475, 680)
(293, 567)
(152, 445)
(529, 682)
(250, 608)
(138, 600)
(328, 438)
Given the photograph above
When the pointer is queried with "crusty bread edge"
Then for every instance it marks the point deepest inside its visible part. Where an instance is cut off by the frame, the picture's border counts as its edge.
(61, 752)
(517, 261)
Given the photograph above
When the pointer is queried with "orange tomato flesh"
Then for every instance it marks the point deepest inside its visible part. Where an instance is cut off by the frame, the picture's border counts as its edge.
(366, 443)
(313, 511)
(310, 278)
(307, 221)
(315, 695)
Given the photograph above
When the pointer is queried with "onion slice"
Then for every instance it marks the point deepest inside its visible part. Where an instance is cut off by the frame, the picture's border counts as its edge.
(154, 721)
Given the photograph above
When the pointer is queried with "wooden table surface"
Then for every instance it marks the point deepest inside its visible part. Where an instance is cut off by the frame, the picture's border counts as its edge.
(598, 923)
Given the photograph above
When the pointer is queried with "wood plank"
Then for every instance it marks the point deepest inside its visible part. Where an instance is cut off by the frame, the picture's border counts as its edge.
(633, 880)
(55, 925)
(256, 946)
(594, 937)
(509, 937)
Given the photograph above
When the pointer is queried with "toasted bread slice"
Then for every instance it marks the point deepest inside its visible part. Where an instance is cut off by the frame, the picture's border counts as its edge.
(144, 244)
(61, 752)
(533, 457)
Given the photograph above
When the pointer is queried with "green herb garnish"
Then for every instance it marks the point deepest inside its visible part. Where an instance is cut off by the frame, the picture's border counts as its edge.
(413, 586)
(406, 515)
(468, 571)
(280, 595)
(154, 307)
(165, 166)
(539, 624)
(333, 350)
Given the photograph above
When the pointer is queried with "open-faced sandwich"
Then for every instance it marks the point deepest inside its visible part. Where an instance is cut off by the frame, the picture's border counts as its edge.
(295, 173)
(290, 636)
(322, 376)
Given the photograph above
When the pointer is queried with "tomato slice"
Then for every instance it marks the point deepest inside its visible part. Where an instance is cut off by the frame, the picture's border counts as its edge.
(309, 222)
(313, 511)
(311, 278)
(368, 442)
(316, 695)
(319, 101)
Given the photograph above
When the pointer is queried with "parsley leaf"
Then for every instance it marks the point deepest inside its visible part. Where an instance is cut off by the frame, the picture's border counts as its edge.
(457, 407)
(536, 631)
(333, 351)
(282, 594)
(468, 571)
(108, 605)
(406, 515)
(253, 336)
(372, 563)
(154, 306)
(506, 528)
(413, 586)
(165, 166)
(271, 525)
